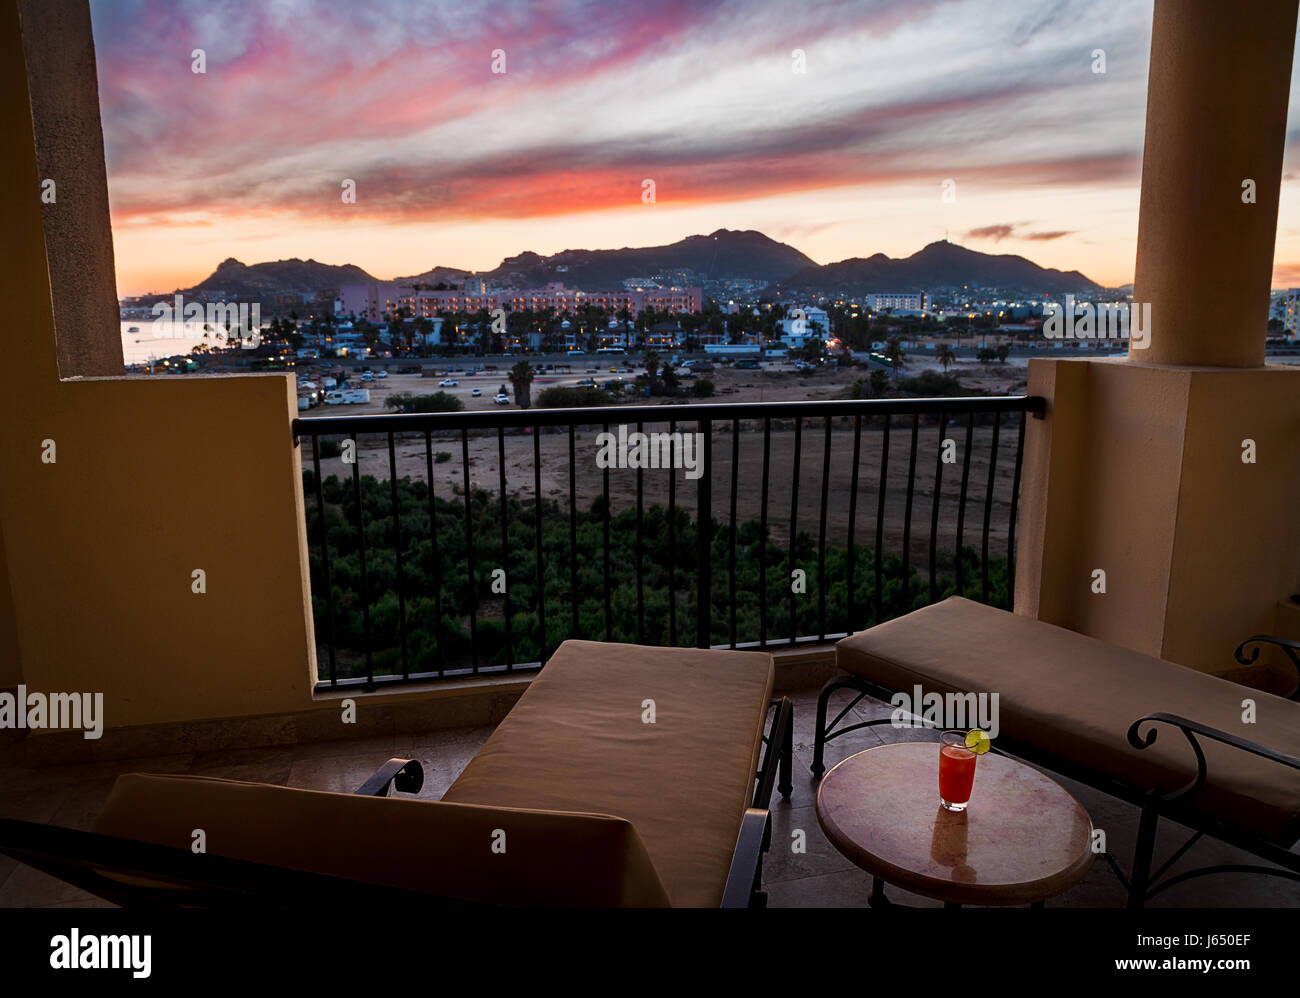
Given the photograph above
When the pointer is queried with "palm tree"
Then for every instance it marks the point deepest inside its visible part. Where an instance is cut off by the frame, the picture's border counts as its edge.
(521, 377)
(369, 334)
(895, 355)
(324, 331)
(424, 328)
(670, 379)
(396, 332)
(945, 356)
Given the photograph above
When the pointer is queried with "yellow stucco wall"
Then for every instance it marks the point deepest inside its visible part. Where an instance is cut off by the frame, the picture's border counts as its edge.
(153, 479)
(1138, 471)
(1237, 553)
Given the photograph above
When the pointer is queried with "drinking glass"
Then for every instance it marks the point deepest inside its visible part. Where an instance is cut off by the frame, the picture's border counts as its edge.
(956, 770)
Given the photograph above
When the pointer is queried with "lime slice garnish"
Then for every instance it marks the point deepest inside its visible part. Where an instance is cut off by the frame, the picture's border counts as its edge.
(978, 741)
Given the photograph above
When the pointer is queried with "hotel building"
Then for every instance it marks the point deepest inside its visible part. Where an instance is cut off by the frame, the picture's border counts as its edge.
(911, 301)
(374, 300)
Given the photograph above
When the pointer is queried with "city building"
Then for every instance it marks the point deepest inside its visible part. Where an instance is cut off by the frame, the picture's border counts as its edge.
(663, 336)
(815, 324)
(1291, 311)
(374, 300)
(898, 301)
(615, 337)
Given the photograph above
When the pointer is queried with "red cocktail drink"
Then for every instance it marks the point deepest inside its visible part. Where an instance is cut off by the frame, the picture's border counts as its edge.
(956, 771)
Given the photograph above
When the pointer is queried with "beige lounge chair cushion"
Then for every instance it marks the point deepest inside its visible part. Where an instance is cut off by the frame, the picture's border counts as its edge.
(1075, 697)
(551, 858)
(576, 741)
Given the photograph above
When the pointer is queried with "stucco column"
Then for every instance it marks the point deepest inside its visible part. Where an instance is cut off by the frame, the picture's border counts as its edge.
(1158, 496)
(1216, 118)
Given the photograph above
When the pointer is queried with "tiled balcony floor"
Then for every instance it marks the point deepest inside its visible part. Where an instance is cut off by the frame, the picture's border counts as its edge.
(821, 877)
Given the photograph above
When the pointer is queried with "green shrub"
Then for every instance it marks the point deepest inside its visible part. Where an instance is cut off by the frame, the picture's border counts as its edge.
(437, 402)
(440, 595)
(932, 384)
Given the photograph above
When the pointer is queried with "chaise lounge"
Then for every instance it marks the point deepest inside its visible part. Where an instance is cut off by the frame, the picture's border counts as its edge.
(1092, 712)
(624, 776)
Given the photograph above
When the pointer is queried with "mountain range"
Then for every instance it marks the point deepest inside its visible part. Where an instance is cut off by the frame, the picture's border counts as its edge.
(726, 254)
(722, 255)
(939, 265)
(279, 277)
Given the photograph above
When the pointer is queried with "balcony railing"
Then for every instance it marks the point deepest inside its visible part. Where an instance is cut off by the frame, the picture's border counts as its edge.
(423, 572)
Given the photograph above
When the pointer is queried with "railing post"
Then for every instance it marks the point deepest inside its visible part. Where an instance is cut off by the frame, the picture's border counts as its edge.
(704, 540)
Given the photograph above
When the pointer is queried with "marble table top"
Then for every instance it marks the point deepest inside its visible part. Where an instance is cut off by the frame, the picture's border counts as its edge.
(1023, 838)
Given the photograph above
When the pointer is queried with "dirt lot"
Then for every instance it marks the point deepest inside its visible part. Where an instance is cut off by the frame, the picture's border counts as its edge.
(747, 386)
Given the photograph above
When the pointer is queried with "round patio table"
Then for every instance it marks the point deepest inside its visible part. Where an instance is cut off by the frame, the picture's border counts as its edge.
(1022, 839)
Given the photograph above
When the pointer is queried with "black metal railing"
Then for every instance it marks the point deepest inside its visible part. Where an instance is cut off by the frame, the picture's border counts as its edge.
(432, 575)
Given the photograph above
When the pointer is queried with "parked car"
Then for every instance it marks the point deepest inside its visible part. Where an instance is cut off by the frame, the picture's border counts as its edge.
(448, 383)
(381, 374)
(367, 377)
(502, 399)
(476, 392)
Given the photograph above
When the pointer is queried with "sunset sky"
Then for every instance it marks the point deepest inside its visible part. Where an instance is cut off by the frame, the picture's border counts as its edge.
(458, 166)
